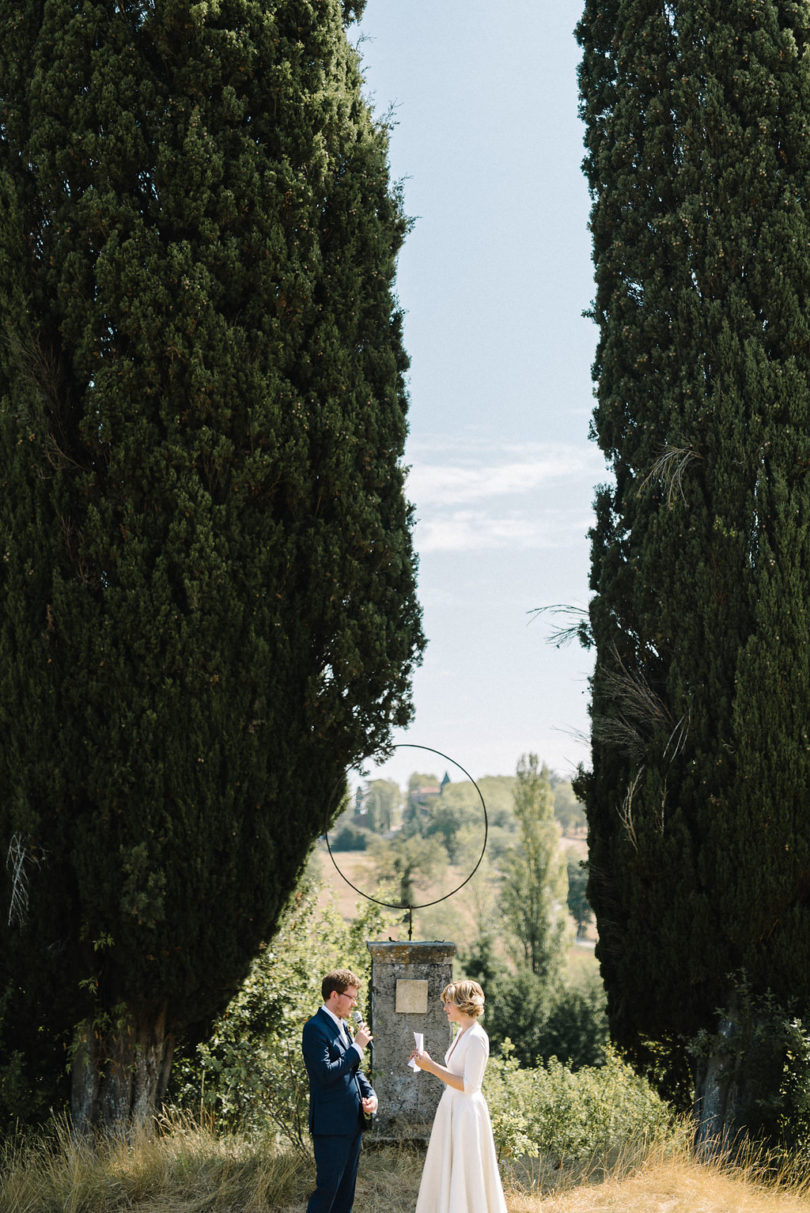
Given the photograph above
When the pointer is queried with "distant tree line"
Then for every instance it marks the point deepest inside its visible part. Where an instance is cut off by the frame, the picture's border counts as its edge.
(448, 811)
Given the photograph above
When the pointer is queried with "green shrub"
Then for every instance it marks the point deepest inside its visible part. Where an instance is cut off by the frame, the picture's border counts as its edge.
(507, 1089)
(569, 1115)
(351, 837)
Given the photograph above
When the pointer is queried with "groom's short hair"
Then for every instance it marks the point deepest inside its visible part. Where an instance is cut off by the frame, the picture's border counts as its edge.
(340, 980)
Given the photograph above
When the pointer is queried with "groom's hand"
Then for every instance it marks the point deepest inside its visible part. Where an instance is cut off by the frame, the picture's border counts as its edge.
(363, 1036)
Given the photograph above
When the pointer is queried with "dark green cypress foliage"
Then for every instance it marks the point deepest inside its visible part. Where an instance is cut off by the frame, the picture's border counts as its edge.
(208, 585)
(697, 117)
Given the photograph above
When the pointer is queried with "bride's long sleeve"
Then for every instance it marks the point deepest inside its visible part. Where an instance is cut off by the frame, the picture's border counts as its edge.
(475, 1063)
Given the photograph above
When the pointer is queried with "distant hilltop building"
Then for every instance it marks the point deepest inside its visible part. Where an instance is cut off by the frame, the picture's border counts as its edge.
(421, 796)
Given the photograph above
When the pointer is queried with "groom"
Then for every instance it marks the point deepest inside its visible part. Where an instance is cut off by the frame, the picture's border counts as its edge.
(341, 1099)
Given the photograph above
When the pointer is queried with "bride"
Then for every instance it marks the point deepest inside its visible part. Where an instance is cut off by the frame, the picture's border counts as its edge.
(461, 1168)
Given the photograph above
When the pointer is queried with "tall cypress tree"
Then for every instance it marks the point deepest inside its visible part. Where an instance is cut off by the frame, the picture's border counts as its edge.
(698, 160)
(207, 582)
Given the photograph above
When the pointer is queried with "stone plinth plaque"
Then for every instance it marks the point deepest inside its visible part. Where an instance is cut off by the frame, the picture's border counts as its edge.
(406, 983)
(411, 998)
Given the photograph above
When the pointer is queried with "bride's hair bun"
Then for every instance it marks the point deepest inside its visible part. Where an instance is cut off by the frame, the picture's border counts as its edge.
(466, 995)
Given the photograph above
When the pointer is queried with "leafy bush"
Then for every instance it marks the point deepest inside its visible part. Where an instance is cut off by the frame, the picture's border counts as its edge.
(569, 1115)
(518, 1007)
(351, 837)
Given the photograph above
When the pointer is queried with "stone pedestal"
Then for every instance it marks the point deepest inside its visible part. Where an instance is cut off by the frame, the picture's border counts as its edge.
(406, 982)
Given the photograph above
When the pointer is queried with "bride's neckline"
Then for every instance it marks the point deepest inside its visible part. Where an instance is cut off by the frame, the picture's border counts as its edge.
(458, 1037)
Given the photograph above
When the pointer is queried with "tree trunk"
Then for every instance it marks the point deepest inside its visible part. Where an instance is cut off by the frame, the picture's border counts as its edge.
(119, 1076)
(737, 1083)
(715, 1095)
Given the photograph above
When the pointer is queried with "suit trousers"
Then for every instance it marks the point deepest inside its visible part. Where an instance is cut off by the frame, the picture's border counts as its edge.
(336, 1162)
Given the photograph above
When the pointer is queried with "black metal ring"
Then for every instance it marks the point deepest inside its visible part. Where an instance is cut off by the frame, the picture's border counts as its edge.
(397, 905)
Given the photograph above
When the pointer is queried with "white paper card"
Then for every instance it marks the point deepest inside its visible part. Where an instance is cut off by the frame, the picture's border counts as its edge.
(419, 1042)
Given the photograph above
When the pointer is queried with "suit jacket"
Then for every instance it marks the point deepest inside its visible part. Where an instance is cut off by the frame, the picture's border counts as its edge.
(336, 1083)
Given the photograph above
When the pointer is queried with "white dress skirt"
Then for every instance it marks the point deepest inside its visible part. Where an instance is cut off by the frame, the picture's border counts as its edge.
(461, 1167)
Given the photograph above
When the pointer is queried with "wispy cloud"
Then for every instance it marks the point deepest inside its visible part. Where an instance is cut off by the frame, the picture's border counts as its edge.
(468, 530)
(446, 484)
(480, 497)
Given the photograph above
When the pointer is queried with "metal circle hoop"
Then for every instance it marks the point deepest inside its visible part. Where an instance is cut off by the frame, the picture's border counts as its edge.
(399, 905)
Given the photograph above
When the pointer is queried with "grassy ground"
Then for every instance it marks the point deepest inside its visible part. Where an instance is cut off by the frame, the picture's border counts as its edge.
(666, 1178)
(677, 1187)
(186, 1169)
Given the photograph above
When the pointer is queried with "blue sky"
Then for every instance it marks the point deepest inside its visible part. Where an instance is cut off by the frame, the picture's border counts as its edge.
(493, 281)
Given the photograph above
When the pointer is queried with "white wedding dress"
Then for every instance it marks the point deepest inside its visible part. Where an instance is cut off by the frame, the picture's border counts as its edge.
(461, 1167)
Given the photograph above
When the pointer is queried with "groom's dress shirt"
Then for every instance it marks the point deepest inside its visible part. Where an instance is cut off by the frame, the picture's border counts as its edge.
(344, 1031)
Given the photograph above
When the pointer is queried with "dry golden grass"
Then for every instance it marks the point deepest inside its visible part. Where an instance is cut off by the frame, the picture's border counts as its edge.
(189, 1169)
(674, 1187)
(666, 1178)
(389, 1181)
(182, 1169)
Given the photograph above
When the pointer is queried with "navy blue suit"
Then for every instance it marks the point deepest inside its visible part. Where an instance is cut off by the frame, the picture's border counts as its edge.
(336, 1087)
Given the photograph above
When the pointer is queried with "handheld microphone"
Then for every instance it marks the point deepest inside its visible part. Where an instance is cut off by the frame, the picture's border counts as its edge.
(367, 1116)
(358, 1019)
